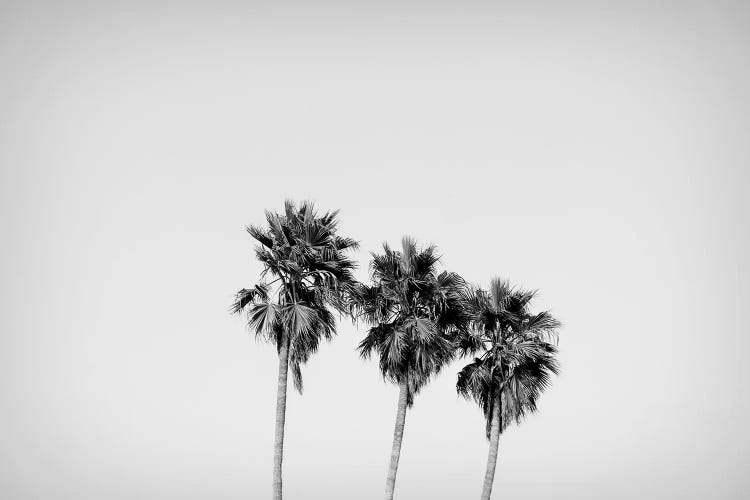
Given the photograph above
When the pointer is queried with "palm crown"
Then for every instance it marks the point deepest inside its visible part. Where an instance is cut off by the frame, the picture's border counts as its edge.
(310, 270)
(415, 312)
(517, 352)
(419, 318)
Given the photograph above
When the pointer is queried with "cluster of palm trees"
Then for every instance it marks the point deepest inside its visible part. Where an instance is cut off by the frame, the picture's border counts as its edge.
(419, 321)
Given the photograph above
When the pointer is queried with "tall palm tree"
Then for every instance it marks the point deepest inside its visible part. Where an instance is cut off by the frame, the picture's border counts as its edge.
(415, 313)
(310, 272)
(517, 358)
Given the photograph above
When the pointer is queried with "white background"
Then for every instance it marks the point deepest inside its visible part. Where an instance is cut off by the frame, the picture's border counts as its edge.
(597, 153)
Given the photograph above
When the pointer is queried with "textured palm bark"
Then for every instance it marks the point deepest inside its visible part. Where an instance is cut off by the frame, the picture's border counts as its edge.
(398, 435)
(489, 475)
(278, 445)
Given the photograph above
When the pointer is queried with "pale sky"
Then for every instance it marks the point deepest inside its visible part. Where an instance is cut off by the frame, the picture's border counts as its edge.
(598, 153)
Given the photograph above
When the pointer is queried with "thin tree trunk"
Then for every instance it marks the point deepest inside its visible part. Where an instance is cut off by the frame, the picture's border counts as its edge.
(398, 434)
(489, 475)
(278, 445)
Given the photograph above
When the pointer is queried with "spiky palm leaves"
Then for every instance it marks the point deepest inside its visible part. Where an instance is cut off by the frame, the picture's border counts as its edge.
(526, 378)
(310, 271)
(517, 359)
(415, 313)
(308, 261)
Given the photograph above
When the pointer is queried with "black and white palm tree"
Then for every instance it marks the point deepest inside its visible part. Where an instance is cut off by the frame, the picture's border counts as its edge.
(306, 273)
(517, 357)
(415, 312)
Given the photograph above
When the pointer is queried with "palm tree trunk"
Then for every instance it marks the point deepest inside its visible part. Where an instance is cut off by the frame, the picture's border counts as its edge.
(278, 445)
(398, 434)
(489, 475)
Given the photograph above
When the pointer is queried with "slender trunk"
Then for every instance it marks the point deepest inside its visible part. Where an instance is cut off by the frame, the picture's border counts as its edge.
(278, 445)
(489, 475)
(398, 434)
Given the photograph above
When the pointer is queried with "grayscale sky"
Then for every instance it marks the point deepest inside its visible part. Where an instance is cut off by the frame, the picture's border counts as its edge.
(597, 151)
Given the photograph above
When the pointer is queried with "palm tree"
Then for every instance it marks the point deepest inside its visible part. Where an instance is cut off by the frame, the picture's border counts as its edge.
(517, 360)
(415, 314)
(309, 270)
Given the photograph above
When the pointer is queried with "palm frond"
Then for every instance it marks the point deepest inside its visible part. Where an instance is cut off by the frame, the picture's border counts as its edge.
(298, 317)
(409, 253)
(263, 318)
(300, 248)
(468, 342)
(297, 375)
(501, 293)
(416, 313)
(247, 296)
(424, 329)
(517, 360)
